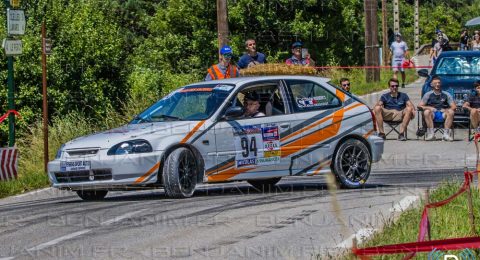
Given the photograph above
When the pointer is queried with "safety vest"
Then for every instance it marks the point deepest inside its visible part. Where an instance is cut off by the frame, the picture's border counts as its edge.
(216, 73)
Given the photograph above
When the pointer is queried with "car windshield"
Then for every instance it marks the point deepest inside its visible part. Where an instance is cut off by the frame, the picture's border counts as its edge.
(458, 66)
(188, 103)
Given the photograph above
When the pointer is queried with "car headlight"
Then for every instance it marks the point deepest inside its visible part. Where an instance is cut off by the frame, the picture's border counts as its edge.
(129, 147)
(59, 152)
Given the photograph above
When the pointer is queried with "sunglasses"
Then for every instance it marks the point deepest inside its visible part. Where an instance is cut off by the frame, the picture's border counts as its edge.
(346, 84)
(227, 56)
(251, 44)
(394, 86)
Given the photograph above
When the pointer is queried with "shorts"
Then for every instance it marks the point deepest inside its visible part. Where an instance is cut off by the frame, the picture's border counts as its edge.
(397, 65)
(392, 115)
(438, 116)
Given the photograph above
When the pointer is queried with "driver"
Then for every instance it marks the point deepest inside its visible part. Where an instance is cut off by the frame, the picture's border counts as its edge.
(251, 104)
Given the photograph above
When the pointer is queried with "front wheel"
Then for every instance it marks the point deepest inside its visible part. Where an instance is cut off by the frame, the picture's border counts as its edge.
(92, 194)
(180, 173)
(352, 163)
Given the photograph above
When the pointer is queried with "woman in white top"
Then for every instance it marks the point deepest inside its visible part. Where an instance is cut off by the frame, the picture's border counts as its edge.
(476, 43)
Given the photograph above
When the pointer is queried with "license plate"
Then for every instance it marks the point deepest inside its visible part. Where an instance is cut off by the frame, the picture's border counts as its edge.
(74, 166)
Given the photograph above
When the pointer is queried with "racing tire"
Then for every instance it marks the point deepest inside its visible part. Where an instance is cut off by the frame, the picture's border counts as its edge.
(352, 164)
(92, 194)
(265, 185)
(180, 172)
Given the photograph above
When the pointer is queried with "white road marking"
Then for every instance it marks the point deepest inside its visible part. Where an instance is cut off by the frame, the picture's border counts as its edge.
(58, 240)
(361, 235)
(7, 258)
(82, 232)
(404, 204)
(122, 217)
(30, 193)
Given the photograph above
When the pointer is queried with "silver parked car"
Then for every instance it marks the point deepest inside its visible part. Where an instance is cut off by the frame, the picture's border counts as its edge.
(200, 133)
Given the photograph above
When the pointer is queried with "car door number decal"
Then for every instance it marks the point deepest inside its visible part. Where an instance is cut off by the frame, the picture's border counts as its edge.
(257, 145)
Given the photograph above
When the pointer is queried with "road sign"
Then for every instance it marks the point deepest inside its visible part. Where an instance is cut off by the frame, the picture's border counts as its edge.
(47, 46)
(15, 3)
(12, 47)
(15, 22)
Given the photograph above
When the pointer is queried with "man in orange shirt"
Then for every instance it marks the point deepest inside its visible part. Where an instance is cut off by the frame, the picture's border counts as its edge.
(224, 69)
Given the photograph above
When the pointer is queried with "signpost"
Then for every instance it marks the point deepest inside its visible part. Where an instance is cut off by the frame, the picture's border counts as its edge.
(15, 23)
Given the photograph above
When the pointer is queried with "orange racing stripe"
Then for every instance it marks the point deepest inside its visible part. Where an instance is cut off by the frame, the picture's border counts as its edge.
(228, 165)
(152, 170)
(185, 139)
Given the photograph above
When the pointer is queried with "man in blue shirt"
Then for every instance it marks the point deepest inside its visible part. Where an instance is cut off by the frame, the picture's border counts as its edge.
(394, 106)
(297, 58)
(251, 57)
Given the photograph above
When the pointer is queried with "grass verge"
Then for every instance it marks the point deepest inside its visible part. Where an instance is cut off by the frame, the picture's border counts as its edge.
(449, 221)
(65, 128)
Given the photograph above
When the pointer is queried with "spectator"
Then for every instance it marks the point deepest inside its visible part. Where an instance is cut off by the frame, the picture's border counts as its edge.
(251, 103)
(224, 69)
(476, 43)
(441, 34)
(297, 58)
(473, 105)
(441, 45)
(438, 106)
(399, 50)
(394, 106)
(432, 51)
(345, 84)
(251, 57)
(464, 38)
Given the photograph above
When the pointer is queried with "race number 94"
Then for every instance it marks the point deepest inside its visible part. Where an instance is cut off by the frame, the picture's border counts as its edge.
(247, 148)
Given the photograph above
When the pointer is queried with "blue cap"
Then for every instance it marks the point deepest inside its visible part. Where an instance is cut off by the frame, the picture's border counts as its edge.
(226, 49)
(438, 31)
(297, 44)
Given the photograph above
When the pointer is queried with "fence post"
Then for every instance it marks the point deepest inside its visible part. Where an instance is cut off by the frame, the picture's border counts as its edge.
(427, 201)
(471, 215)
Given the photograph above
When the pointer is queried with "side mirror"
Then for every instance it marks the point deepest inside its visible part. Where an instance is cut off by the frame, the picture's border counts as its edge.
(234, 112)
(423, 73)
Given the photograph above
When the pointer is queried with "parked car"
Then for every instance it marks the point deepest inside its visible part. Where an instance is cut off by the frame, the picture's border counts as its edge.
(457, 70)
(198, 133)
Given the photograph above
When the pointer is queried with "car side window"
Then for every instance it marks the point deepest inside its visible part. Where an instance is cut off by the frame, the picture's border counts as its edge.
(310, 96)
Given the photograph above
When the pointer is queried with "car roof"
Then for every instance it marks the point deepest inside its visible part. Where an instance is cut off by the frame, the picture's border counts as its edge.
(459, 53)
(245, 80)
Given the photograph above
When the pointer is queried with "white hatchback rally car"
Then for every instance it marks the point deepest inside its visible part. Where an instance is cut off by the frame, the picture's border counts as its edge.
(199, 133)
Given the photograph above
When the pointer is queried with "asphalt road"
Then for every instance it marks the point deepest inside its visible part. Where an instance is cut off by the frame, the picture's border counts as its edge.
(298, 220)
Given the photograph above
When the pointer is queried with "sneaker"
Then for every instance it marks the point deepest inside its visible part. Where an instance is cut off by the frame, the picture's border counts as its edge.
(403, 85)
(430, 136)
(401, 137)
(382, 135)
(446, 135)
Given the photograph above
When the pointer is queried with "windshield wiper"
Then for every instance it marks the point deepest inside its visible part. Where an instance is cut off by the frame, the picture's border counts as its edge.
(142, 120)
(166, 117)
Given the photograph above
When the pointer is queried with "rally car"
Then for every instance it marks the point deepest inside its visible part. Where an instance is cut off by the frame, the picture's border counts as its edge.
(200, 134)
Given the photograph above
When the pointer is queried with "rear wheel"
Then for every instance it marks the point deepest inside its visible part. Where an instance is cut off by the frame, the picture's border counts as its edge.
(180, 173)
(264, 184)
(352, 163)
(92, 194)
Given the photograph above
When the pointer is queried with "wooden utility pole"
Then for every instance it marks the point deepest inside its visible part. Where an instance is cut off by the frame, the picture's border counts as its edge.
(385, 47)
(371, 41)
(416, 27)
(222, 23)
(396, 17)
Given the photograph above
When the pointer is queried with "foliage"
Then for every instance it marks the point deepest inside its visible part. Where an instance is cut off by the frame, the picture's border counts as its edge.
(107, 52)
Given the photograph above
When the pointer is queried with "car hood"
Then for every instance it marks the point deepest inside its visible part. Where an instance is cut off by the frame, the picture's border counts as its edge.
(148, 131)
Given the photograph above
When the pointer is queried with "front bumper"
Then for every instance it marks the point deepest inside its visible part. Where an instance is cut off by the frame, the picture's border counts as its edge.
(376, 145)
(106, 171)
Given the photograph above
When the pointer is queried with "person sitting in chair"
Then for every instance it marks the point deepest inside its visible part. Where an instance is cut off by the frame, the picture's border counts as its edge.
(394, 106)
(438, 106)
(251, 104)
(473, 105)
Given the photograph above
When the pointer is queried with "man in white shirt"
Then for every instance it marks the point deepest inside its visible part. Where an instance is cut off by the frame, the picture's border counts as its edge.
(399, 50)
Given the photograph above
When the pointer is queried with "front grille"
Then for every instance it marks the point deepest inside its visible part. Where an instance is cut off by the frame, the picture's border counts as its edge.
(82, 176)
(82, 152)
